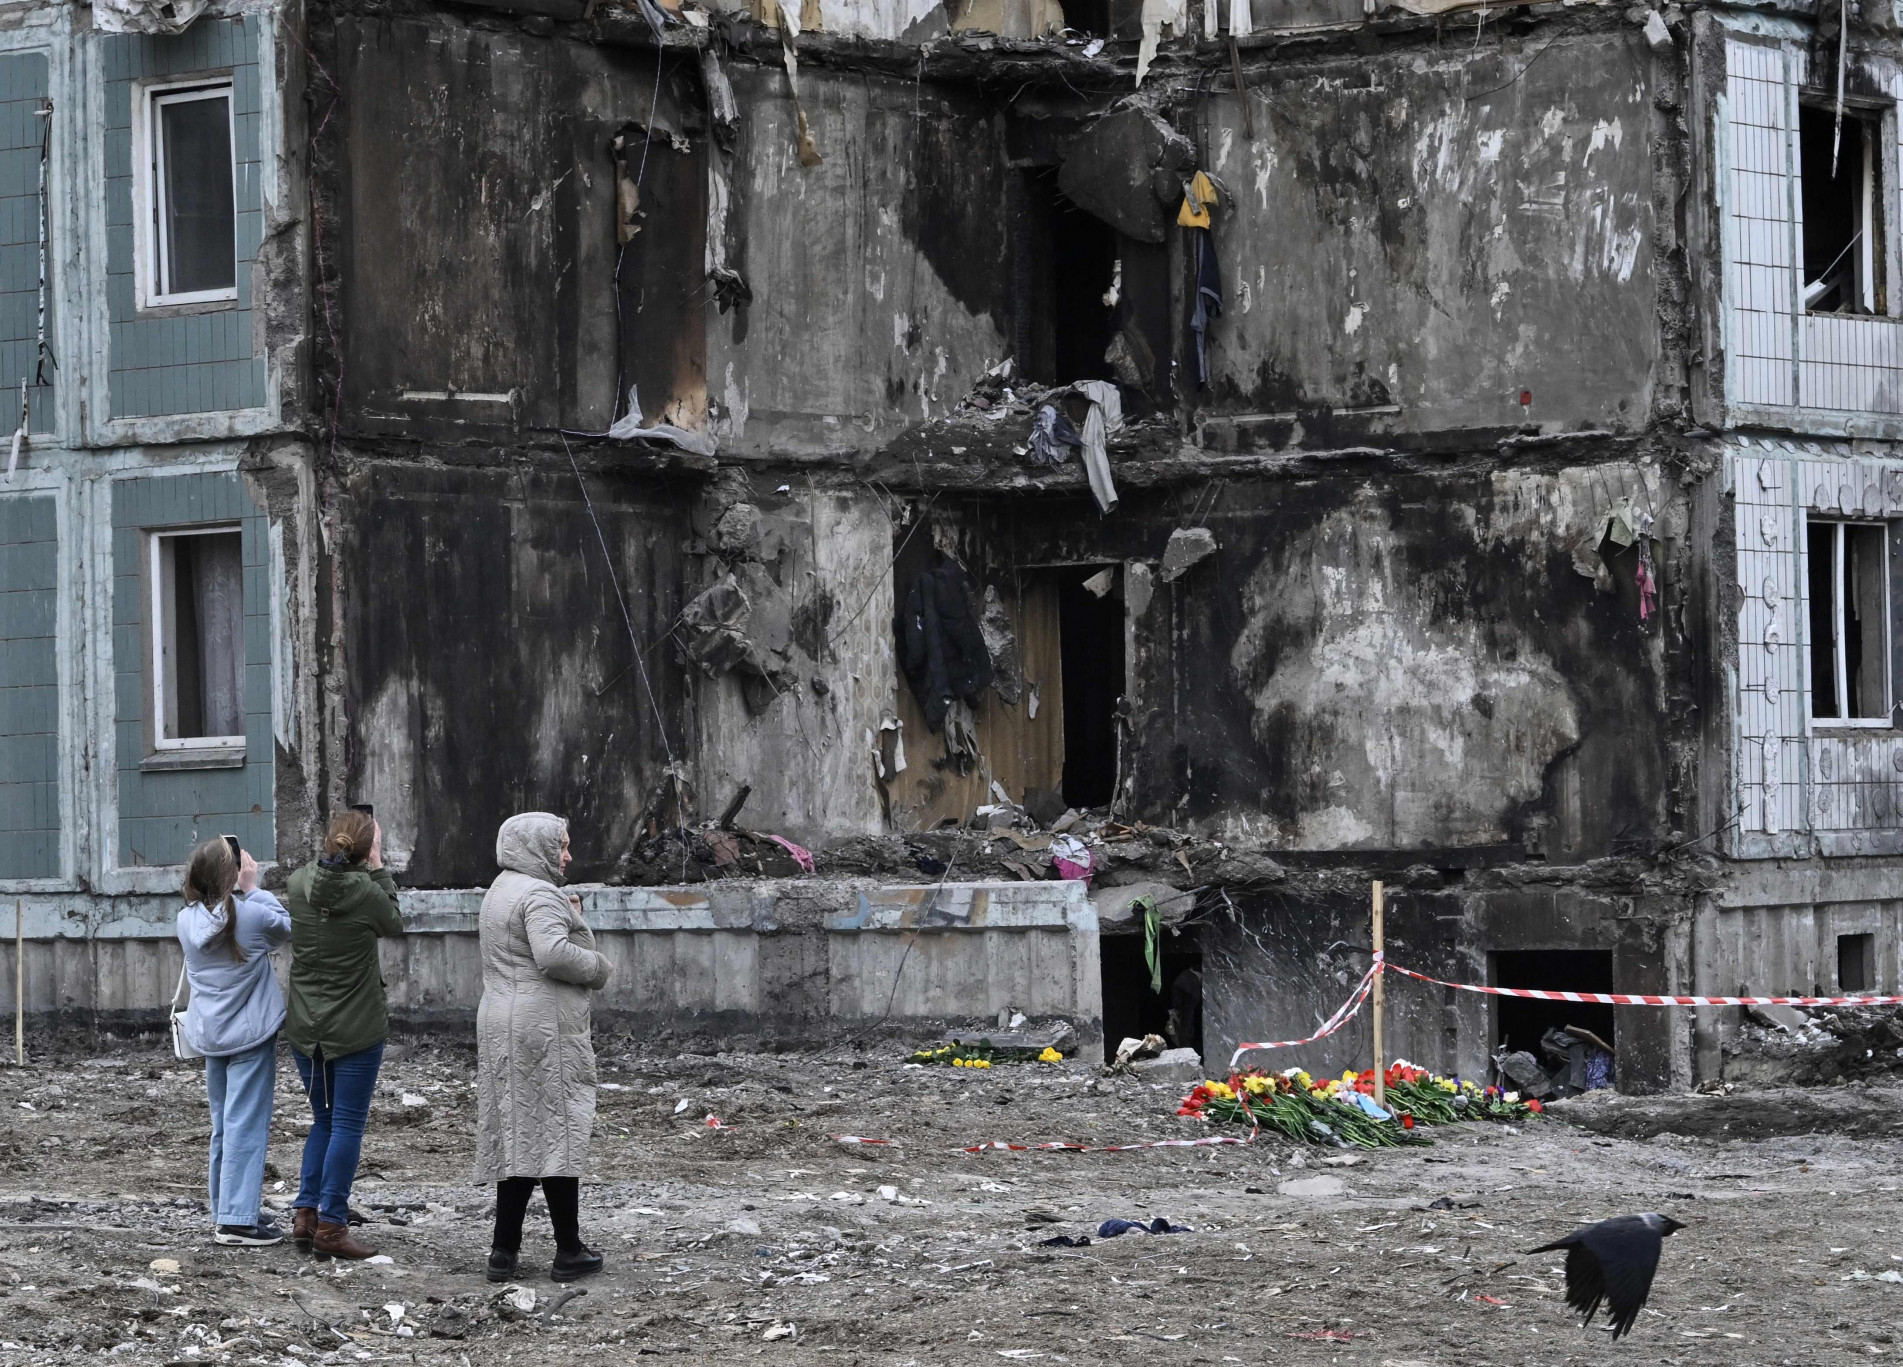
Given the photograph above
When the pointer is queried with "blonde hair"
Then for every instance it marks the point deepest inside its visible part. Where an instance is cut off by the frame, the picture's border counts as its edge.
(209, 879)
(351, 834)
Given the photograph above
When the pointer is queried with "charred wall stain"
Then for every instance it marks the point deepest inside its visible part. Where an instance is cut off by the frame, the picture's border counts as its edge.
(490, 669)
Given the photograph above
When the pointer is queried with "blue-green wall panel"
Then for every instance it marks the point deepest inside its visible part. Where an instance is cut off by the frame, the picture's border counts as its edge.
(165, 362)
(29, 686)
(163, 813)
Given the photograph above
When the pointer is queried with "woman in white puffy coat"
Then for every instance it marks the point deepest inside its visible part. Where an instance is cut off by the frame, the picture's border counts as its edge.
(535, 1061)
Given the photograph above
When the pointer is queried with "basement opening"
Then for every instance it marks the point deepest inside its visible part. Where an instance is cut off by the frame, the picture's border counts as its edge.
(1131, 1010)
(1520, 1022)
(1090, 643)
(1064, 262)
(1856, 963)
(1087, 16)
(1843, 211)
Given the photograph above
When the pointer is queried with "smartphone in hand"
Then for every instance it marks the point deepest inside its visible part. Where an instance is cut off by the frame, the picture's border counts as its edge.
(236, 853)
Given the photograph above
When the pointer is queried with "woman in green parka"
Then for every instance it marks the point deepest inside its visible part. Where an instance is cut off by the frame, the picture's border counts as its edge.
(341, 904)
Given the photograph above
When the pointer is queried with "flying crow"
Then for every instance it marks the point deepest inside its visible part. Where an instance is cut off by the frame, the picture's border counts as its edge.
(1613, 1261)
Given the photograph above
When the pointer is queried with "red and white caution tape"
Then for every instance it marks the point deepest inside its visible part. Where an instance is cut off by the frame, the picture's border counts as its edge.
(1644, 998)
(1344, 1014)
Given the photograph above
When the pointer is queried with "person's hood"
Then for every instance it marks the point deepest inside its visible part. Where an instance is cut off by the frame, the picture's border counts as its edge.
(531, 843)
(332, 885)
(198, 925)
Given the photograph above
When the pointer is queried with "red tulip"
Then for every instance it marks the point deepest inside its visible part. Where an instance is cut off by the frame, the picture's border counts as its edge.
(1407, 1122)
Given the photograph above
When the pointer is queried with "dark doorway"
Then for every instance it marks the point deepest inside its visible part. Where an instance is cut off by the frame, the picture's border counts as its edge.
(1131, 1010)
(1519, 1022)
(1064, 261)
(1087, 16)
(1090, 642)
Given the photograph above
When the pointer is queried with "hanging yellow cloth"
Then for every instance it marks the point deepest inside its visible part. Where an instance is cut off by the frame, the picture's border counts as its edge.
(1198, 195)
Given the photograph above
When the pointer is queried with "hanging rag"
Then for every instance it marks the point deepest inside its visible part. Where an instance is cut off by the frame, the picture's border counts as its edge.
(1198, 195)
(1052, 437)
(1104, 421)
(1152, 950)
(1208, 299)
(941, 642)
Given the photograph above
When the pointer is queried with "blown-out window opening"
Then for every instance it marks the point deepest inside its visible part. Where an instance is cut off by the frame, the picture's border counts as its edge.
(1849, 569)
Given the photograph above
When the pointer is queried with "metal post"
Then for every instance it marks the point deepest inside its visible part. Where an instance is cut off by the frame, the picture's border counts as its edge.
(1380, 1006)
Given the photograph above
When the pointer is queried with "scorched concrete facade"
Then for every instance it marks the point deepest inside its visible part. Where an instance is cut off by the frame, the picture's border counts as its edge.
(1497, 495)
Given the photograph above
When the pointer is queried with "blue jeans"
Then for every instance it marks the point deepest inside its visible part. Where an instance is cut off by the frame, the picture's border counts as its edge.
(241, 1088)
(339, 1089)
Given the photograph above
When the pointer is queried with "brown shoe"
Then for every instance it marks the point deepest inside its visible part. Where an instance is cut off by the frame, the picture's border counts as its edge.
(303, 1226)
(334, 1241)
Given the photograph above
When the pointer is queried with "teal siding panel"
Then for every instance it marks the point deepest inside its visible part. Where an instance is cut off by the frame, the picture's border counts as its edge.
(162, 814)
(23, 90)
(29, 684)
(166, 363)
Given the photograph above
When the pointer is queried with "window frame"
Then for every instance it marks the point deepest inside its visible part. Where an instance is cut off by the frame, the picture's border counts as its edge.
(148, 181)
(1838, 652)
(158, 614)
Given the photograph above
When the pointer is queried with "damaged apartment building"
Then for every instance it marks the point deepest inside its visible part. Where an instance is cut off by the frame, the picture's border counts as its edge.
(972, 508)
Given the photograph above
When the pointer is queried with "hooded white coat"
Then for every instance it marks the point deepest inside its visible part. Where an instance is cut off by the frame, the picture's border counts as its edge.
(535, 1062)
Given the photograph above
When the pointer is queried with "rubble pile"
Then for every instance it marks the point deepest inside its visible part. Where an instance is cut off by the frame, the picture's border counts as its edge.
(1781, 1045)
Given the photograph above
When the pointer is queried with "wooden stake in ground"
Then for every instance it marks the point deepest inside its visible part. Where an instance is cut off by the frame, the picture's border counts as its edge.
(1380, 1007)
(19, 983)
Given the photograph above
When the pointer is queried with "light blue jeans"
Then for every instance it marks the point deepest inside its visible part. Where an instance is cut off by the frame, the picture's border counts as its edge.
(241, 1088)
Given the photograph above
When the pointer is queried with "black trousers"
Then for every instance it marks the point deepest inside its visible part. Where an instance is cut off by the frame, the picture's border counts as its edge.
(564, 1211)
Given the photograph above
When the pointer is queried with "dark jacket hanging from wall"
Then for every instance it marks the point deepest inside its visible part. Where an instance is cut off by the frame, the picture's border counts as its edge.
(941, 647)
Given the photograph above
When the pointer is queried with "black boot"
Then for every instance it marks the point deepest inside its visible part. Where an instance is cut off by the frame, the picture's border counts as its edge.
(572, 1267)
(501, 1265)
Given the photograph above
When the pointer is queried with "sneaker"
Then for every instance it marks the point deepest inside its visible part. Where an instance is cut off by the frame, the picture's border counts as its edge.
(501, 1265)
(261, 1235)
(571, 1267)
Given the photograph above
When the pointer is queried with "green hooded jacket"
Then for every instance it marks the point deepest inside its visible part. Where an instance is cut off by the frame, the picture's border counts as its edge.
(336, 998)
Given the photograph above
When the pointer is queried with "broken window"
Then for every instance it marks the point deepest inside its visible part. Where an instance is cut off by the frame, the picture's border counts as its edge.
(197, 639)
(1856, 963)
(1843, 228)
(1849, 622)
(185, 198)
(1090, 638)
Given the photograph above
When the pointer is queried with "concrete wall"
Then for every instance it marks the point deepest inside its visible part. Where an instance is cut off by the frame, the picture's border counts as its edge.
(1415, 240)
(734, 966)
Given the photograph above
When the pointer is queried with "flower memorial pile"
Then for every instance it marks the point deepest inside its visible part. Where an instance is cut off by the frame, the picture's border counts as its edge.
(982, 1055)
(1342, 1111)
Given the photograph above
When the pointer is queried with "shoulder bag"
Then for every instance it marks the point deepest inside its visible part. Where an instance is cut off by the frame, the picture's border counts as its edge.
(181, 1046)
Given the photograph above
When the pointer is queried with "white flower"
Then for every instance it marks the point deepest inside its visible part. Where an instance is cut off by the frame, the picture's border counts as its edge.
(1512, 1096)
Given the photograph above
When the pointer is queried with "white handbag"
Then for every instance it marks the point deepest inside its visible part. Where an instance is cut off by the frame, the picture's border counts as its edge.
(181, 1046)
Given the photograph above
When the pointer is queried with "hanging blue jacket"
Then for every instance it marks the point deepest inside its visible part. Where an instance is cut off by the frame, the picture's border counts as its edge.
(234, 1006)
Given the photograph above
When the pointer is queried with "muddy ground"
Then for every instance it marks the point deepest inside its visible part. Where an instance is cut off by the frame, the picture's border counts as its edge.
(768, 1241)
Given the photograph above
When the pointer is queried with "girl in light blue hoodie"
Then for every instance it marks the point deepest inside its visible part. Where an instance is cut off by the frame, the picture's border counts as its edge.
(228, 930)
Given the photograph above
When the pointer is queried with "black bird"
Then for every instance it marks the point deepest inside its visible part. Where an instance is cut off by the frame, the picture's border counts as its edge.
(1613, 1261)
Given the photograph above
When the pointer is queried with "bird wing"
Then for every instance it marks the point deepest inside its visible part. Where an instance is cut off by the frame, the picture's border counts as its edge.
(1585, 1282)
(1626, 1253)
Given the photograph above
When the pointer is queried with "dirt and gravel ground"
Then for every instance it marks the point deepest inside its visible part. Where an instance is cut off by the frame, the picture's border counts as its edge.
(768, 1241)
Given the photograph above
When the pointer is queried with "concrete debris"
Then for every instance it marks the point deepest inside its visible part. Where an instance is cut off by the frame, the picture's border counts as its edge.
(1134, 1047)
(1188, 547)
(1102, 582)
(1128, 168)
(1657, 36)
(739, 624)
(1116, 906)
(1525, 1073)
(1172, 1065)
(159, 18)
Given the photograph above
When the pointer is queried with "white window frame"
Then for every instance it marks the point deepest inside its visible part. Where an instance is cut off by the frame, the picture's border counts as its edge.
(1835, 569)
(148, 180)
(158, 615)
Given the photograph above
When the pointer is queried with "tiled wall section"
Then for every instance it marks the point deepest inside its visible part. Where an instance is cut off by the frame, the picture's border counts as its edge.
(22, 96)
(163, 362)
(29, 687)
(162, 815)
(1845, 789)
(1844, 363)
